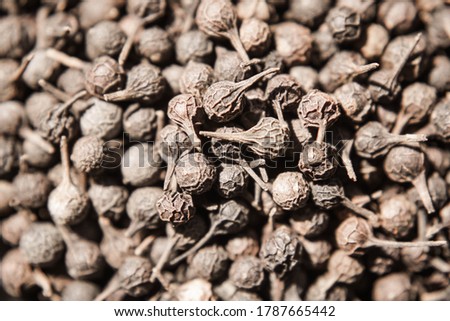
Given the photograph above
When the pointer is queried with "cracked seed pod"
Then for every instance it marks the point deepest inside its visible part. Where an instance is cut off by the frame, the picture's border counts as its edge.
(196, 79)
(355, 100)
(243, 244)
(42, 244)
(309, 222)
(280, 252)
(440, 118)
(103, 76)
(255, 36)
(185, 111)
(67, 203)
(293, 42)
(101, 119)
(318, 160)
(80, 291)
(12, 116)
(226, 150)
(406, 164)
(142, 209)
(9, 154)
(398, 215)
(108, 200)
(224, 100)
(144, 83)
(18, 36)
(194, 173)
(290, 190)
(88, 154)
(134, 276)
(392, 287)
(217, 18)
(268, 138)
(140, 123)
(344, 24)
(367, 9)
(155, 45)
(342, 68)
(347, 269)
(209, 263)
(284, 91)
(104, 39)
(397, 16)
(175, 207)
(31, 189)
(232, 180)
(373, 140)
(247, 272)
(140, 165)
(193, 45)
(71, 81)
(308, 13)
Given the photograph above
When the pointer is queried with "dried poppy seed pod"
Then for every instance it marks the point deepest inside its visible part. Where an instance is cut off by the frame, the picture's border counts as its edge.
(196, 78)
(247, 272)
(255, 36)
(31, 190)
(318, 161)
(19, 36)
(108, 200)
(309, 222)
(88, 154)
(373, 140)
(217, 18)
(243, 244)
(224, 100)
(209, 263)
(232, 180)
(42, 244)
(67, 203)
(155, 45)
(185, 110)
(175, 207)
(406, 164)
(140, 165)
(307, 12)
(290, 190)
(293, 43)
(142, 209)
(193, 45)
(355, 100)
(280, 252)
(101, 119)
(194, 173)
(392, 287)
(397, 16)
(104, 39)
(398, 215)
(80, 291)
(144, 83)
(344, 24)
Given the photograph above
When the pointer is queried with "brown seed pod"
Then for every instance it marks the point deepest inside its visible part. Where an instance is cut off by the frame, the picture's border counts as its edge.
(440, 119)
(209, 263)
(224, 100)
(243, 244)
(355, 100)
(324, 46)
(290, 190)
(67, 203)
(9, 154)
(318, 161)
(140, 123)
(367, 9)
(144, 83)
(389, 13)
(228, 66)
(268, 138)
(71, 81)
(194, 173)
(392, 287)
(280, 252)
(104, 39)
(305, 75)
(14, 226)
(293, 43)
(56, 30)
(196, 78)
(196, 289)
(101, 119)
(80, 291)
(406, 164)
(373, 140)
(185, 110)
(255, 36)
(232, 180)
(37, 105)
(172, 76)
(92, 12)
(284, 92)
(347, 269)
(308, 13)
(217, 18)
(318, 252)
(108, 200)
(142, 209)
(258, 9)
(12, 116)
(439, 76)
(36, 155)
(10, 73)
(247, 272)
(344, 24)
(175, 207)
(149, 10)
(88, 154)
(19, 36)
(140, 165)
(398, 215)
(31, 189)
(42, 244)
(104, 75)
(309, 222)
(155, 45)
(375, 40)
(416, 258)
(39, 67)
(193, 45)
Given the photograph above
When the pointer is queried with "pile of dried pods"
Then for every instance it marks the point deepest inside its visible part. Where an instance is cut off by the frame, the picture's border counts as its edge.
(218, 150)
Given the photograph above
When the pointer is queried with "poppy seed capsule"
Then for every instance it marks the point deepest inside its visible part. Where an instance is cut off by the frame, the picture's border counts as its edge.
(104, 39)
(88, 154)
(290, 190)
(194, 173)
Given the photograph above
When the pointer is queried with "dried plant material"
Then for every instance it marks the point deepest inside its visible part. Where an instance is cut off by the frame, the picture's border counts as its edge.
(232, 180)
(290, 191)
(155, 45)
(108, 200)
(140, 165)
(255, 36)
(392, 287)
(80, 291)
(355, 100)
(101, 119)
(309, 222)
(175, 207)
(344, 23)
(209, 263)
(15, 225)
(193, 45)
(194, 173)
(31, 190)
(247, 272)
(398, 17)
(397, 215)
(142, 209)
(293, 43)
(318, 161)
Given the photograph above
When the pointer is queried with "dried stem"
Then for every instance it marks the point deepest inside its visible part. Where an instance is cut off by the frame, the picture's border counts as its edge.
(373, 241)
(233, 36)
(56, 92)
(253, 175)
(43, 282)
(27, 133)
(420, 183)
(156, 272)
(23, 66)
(65, 161)
(346, 159)
(112, 286)
(66, 60)
(369, 215)
(359, 70)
